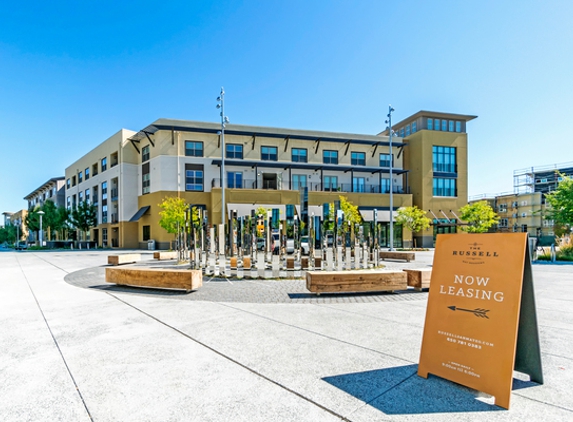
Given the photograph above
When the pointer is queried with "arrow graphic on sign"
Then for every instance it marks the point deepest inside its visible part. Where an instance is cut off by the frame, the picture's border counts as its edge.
(479, 312)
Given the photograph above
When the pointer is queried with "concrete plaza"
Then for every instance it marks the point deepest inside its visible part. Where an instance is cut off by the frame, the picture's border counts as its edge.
(74, 349)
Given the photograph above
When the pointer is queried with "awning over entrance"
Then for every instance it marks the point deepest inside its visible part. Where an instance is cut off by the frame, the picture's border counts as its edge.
(139, 213)
(383, 216)
(245, 209)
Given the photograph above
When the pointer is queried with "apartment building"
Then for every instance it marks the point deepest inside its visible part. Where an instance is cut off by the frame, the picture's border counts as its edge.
(436, 158)
(53, 190)
(131, 173)
(107, 177)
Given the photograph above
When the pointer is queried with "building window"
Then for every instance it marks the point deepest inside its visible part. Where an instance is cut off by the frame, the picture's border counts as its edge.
(104, 164)
(330, 157)
(401, 133)
(104, 192)
(430, 124)
(444, 125)
(95, 196)
(451, 126)
(73, 181)
(145, 154)
(80, 197)
(87, 172)
(146, 233)
(193, 177)
(88, 196)
(68, 203)
(444, 159)
(298, 181)
(194, 149)
(68, 184)
(269, 153)
(80, 176)
(384, 160)
(414, 127)
(358, 159)
(330, 183)
(299, 155)
(145, 179)
(234, 180)
(444, 187)
(503, 222)
(104, 236)
(407, 130)
(104, 213)
(458, 126)
(94, 169)
(358, 184)
(385, 186)
(234, 151)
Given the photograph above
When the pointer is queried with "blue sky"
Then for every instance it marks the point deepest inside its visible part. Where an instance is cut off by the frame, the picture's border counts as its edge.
(74, 73)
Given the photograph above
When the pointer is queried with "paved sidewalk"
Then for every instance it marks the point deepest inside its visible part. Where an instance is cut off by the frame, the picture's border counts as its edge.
(70, 353)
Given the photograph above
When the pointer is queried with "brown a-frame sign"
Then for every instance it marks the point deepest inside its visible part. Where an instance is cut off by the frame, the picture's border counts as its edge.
(481, 320)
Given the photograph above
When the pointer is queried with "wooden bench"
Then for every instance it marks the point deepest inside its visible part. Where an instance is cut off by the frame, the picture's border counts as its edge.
(165, 255)
(155, 277)
(355, 281)
(419, 278)
(406, 256)
(126, 258)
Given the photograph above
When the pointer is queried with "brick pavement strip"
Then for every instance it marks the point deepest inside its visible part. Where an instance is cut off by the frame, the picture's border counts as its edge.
(217, 289)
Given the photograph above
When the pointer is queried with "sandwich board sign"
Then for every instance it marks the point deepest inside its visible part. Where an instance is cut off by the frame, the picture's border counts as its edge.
(481, 321)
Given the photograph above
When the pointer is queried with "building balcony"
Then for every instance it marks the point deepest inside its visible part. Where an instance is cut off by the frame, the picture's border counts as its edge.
(114, 194)
(114, 218)
(312, 187)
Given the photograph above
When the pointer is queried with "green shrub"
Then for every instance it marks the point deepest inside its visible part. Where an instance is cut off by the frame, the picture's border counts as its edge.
(565, 253)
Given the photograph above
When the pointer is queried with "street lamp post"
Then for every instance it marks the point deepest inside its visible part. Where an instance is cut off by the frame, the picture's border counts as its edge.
(390, 134)
(41, 213)
(224, 120)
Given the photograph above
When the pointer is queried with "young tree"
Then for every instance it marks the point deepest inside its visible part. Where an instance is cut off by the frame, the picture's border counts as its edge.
(414, 219)
(352, 216)
(55, 219)
(561, 204)
(32, 219)
(172, 219)
(479, 216)
(83, 217)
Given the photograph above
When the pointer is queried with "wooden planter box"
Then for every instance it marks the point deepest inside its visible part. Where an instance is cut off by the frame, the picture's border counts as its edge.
(355, 281)
(165, 255)
(403, 255)
(155, 277)
(419, 278)
(126, 258)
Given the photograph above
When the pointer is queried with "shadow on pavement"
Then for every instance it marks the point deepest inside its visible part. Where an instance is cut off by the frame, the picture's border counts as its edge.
(399, 391)
(140, 290)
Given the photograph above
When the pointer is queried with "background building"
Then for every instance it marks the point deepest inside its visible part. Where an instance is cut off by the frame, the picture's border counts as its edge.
(53, 190)
(522, 210)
